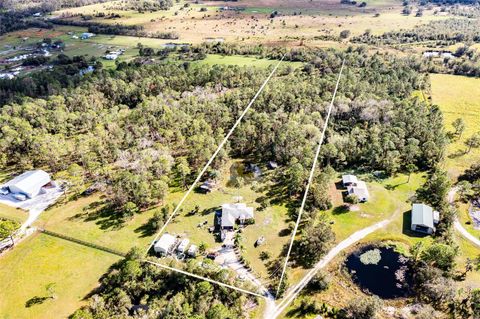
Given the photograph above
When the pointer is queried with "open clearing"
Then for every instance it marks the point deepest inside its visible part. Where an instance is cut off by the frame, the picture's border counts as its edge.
(41, 260)
(13, 213)
(318, 19)
(458, 97)
(84, 219)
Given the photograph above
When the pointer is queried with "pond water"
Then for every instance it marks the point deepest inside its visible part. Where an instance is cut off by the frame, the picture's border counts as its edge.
(381, 271)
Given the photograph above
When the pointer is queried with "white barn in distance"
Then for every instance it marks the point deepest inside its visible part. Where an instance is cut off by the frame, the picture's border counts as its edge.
(29, 183)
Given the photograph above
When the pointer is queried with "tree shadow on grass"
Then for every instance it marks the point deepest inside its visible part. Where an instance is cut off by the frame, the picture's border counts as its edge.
(339, 210)
(36, 301)
(104, 214)
(148, 229)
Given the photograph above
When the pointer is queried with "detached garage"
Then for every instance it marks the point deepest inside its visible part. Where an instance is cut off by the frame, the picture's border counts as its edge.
(29, 183)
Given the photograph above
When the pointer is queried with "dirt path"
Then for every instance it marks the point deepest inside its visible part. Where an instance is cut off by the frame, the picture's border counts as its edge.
(295, 290)
(458, 226)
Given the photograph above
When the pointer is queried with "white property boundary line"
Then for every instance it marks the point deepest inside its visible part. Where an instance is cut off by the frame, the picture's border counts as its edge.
(220, 146)
(310, 178)
(204, 278)
(352, 239)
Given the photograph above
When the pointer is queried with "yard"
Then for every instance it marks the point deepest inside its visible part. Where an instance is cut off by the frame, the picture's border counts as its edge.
(268, 223)
(41, 260)
(9, 212)
(86, 219)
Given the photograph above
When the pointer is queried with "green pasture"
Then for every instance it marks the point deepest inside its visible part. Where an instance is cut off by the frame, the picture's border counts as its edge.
(458, 97)
(40, 260)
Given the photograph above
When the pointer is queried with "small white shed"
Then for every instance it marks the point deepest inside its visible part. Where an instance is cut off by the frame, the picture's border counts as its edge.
(192, 251)
(29, 183)
(165, 244)
(183, 245)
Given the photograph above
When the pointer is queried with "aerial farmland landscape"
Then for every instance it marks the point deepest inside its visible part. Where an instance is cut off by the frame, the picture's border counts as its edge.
(242, 159)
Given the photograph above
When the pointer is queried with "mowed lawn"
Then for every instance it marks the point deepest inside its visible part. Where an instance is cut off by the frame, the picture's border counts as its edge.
(458, 97)
(41, 260)
(13, 213)
(82, 219)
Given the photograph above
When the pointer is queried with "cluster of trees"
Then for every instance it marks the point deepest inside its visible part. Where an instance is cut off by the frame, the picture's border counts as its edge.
(142, 119)
(114, 29)
(44, 5)
(19, 20)
(134, 289)
(141, 5)
(65, 73)
(434, 280)
(445, 32)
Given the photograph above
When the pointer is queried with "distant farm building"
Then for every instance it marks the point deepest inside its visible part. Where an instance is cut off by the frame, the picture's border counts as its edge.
(29, 183)
(231, 213)
(424, 218)
(111, 56)
(165, 244)
(86, 35)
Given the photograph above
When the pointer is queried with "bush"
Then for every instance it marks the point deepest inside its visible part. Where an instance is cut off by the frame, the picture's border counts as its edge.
(351, 199)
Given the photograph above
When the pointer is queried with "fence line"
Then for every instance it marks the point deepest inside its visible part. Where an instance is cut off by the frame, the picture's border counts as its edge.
(82, 242)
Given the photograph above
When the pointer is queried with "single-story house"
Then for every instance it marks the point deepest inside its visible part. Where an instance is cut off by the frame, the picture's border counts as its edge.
(165, 244)
(233, 212)
(424, 218)
(348, 180)
(29, 183)
(360, 190)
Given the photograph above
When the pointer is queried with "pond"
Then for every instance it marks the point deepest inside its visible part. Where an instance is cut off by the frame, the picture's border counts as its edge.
(381, 271)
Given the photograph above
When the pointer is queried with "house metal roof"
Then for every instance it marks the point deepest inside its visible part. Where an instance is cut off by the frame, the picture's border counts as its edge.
(422, 215)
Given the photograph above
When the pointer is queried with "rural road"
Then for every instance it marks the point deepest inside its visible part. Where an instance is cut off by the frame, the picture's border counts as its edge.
(295, 290)
(458, 226)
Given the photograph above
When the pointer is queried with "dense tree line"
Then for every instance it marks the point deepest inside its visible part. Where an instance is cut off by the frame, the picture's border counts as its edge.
(13, 21)
(141, 5)
(133, 289)
(143, 119)
(65, 73)
(445, 32)
(44, 5)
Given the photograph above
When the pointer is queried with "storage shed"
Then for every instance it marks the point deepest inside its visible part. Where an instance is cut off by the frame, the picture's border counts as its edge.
(165, 244)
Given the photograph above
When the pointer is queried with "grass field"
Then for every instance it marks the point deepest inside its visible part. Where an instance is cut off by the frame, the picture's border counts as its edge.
(299, 19)
(41, 260)
(82, 220)
(458, 97)
(13, 213)
(212, 59)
